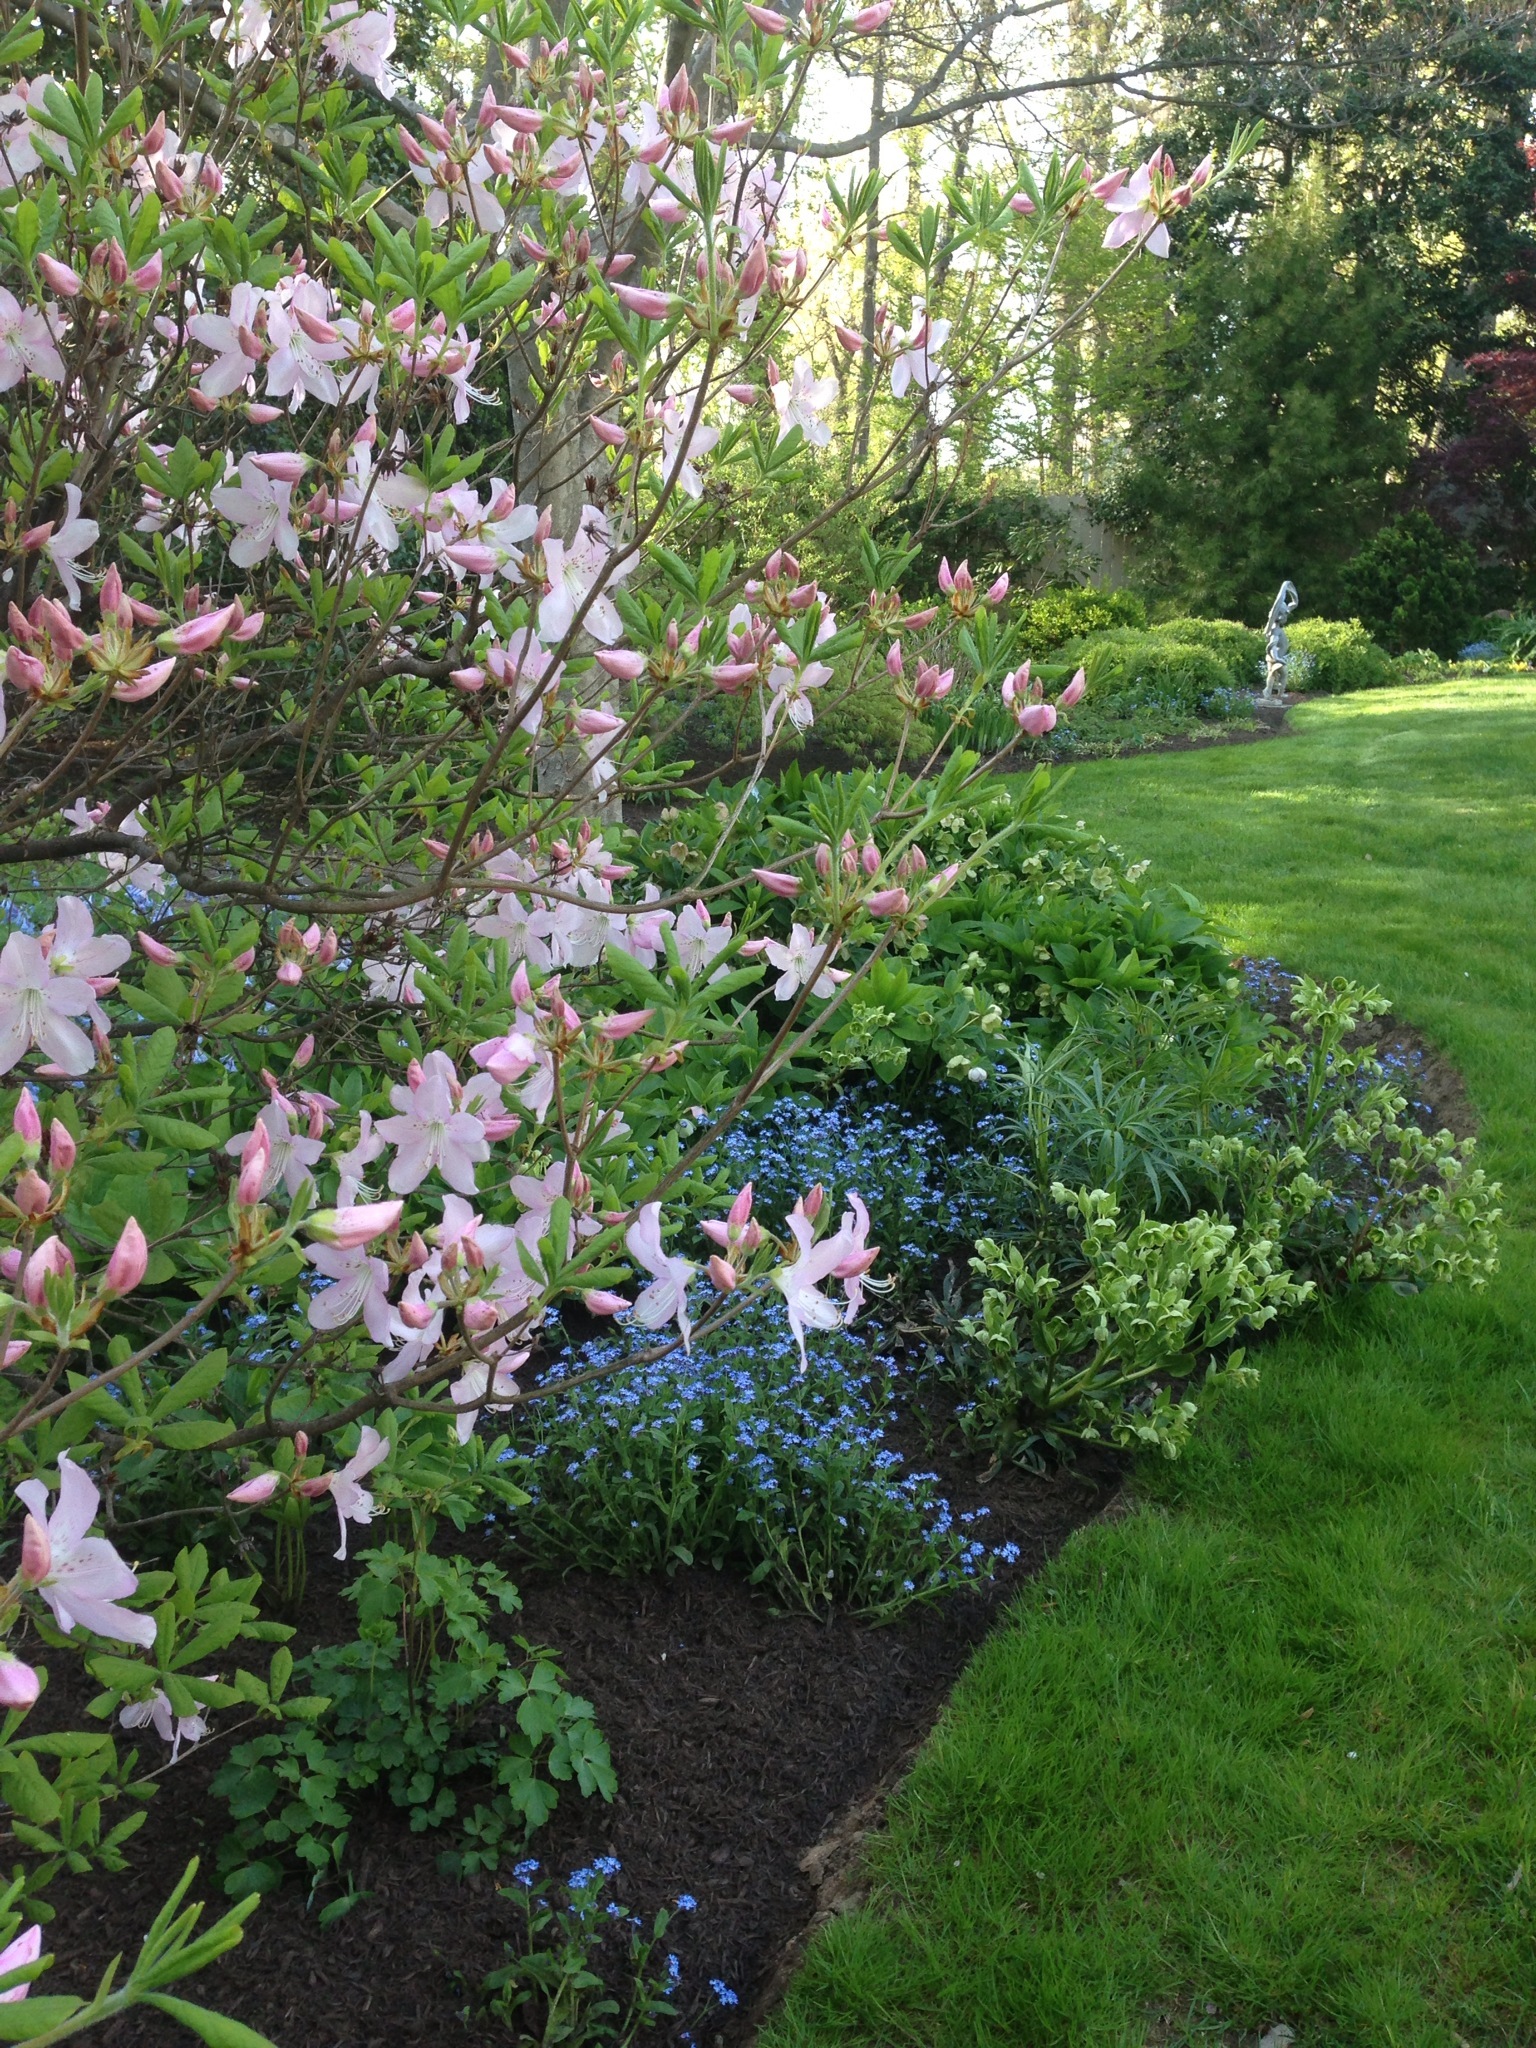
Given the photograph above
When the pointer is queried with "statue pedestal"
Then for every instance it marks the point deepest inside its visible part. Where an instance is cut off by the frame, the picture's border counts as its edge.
(1270, 711)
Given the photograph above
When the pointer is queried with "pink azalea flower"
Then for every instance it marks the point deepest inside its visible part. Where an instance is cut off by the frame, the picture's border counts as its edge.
(301, 358)
(796, 963)
(354, 1503)
(27, 343)
(170, 1726)
(36, 1006)
(700, 943)
(432, 1133)
(916, 363)
(81, 1576)
(666, 1299)
(800, 400)
(232, 338)
(75, 948)
(365, 39)
(71, 538)
(289, 1158)
(484, 1380)
(1136, 218)
(258, 506)
(359, 1287)
(844, 1255)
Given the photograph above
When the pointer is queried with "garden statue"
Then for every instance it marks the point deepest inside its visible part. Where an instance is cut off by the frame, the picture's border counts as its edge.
(1276, 645)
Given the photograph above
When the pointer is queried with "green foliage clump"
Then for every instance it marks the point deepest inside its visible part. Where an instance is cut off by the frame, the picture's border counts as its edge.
(1054, 617)
(1240, 648)
(1411, 585)
(1126, 666)
(1337, 655)
(422, 1697)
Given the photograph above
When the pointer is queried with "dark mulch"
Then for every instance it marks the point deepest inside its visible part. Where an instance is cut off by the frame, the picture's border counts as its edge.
(742, 1741)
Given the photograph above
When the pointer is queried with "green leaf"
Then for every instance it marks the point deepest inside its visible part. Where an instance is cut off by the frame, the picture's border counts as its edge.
(33, 2017)
(196, 1384)
(194, 1435)
(216, 2028)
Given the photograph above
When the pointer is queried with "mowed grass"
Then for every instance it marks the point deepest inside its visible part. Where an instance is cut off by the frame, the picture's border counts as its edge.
(1264, 1749)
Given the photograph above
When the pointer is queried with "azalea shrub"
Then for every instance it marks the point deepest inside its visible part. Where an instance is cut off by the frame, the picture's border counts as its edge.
(356, 457)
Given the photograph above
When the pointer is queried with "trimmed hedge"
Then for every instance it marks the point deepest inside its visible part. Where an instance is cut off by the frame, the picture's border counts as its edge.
(1057, 616)
(1239, 648)
(1338, 655)
(1151, 671)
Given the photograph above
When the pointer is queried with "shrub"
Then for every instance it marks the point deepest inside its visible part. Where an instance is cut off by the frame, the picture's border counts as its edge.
(1340, 655)
(1129, 666)
(1048, 621)
(1413, 586)
(1241, 648)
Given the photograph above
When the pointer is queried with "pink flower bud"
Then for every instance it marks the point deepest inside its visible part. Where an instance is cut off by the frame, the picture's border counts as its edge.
(868, 19)
(810, 1203)
(263, 415)
(869, 857)
(328, 947)
(244, 962)
(147, 277)
(286, 466)
(648, 305)
(152, 949)
(1022, 205)
(32, 1193)
(467, 679)
(593, 724)
(599, 1301)
(607, 431)
(744, 394)
(36, 1552)
(116, 260)
(624, 664)
(915, 621)
(14, 1352)
(777, 884)
(255, 1157)
(765, 18)
(625, 1023)
(754, 272)
(1035, 719)
(61, 1148)
(722, 1274)
(356, 1225)
(305, 1053)
(129, 1261)
(415, 1314)
(1106, 187)
(1074, 690)
(19, 1687)
(999, 589)
(522, 987)
(416, 1253)
(253, 1493)
(824, 860)
(473, 556)
(197, 636)
(27, 1124)
(25, 671)
(51, 1257)
(59, 277)
(889, 903)
(946, 577)
(480, 1315)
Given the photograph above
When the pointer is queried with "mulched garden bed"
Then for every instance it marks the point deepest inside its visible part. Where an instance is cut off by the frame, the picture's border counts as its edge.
(742, 1740)
(753, 1752)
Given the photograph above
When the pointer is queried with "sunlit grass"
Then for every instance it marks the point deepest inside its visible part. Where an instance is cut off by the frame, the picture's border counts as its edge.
(1266, 1744)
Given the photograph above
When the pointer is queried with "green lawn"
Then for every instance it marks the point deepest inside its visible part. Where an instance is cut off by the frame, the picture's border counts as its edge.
(1265, 1749)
